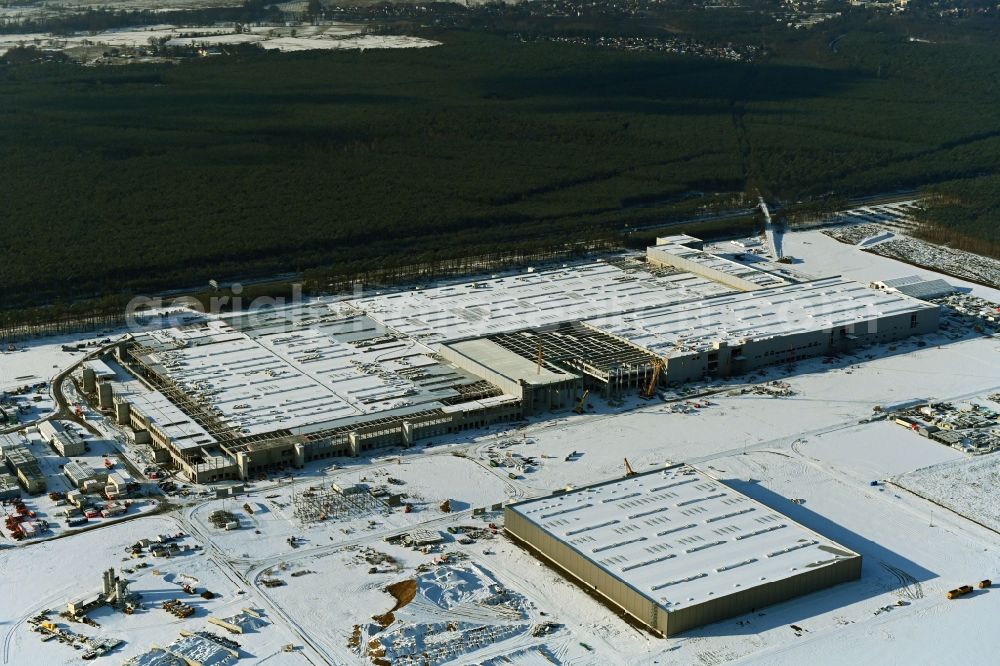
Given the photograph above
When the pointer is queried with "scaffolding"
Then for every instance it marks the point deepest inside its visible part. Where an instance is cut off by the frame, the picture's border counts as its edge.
(610, 362)
(331, 503)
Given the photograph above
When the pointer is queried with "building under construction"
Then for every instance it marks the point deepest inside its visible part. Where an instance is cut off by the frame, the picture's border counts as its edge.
(223, 400)
(114, 592)
(238, 397)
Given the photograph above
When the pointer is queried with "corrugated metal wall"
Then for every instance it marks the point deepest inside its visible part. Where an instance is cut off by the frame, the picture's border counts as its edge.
(646, 611)
(588, 574)
(751, 599)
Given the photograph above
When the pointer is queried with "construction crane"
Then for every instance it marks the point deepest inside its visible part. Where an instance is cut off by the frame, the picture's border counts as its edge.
(659, 365)
(580, 405)
(650, 389)
(628, 469)
(538, 370)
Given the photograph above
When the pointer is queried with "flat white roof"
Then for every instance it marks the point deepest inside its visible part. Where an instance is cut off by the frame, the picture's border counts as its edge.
(756, 315)
(530, 300)
(101, 369)
(677, 239)
(287, 379)
(508, 364)
(680, 537)
(716, 263)
(168, 417)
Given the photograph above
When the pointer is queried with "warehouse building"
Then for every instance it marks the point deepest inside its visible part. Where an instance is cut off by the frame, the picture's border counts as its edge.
(243, 396)
(67, 444)
(24, 465)
(120, 484)
(532, 300)
(675, 549)
(686, 255)
(915, 286)
(235, 400)
(539, 386)
(9, 441)
(8, 487)
(738, 333)
(83, 477)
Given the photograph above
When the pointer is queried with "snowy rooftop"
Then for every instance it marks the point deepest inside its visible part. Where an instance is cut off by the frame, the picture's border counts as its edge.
(101, 369)
(677, 239)
(174, 423)
(757, 315)
(508, 364)
(918, 287)
(679, 537)
(710, 261)
(530, 300)
(285, 379)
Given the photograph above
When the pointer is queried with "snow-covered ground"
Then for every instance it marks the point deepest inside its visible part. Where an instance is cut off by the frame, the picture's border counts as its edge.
(967, 486)
(816, 446)
(47, 575)
(282, 38)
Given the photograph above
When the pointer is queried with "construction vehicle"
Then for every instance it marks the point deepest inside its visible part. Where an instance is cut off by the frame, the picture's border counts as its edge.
(583, 401)
(628, 469)
(108, 464)
(983, 584)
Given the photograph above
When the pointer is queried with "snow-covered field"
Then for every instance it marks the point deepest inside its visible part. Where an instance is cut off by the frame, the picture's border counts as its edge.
(966, 486)
(47, 575)
(815, 445)
(282, 38)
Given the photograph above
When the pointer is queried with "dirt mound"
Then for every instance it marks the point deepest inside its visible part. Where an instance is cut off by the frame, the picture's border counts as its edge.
(403, 592)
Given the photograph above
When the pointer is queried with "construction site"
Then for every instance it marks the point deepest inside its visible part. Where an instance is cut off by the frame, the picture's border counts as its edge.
(237, 397)
(699, 455)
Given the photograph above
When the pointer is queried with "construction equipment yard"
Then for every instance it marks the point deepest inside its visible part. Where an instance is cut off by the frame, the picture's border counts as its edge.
(398, 553)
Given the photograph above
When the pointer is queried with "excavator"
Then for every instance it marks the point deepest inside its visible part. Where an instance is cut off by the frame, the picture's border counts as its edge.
(583, 401)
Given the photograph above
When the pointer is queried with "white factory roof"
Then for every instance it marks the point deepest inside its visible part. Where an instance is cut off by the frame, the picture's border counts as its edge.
(710, 261)
(175, 424)
(101, 369)
(756, 315)
(49, 430)
(679, 537)
(677, 239)
(507, 364)
(290, 379)
(529, 300)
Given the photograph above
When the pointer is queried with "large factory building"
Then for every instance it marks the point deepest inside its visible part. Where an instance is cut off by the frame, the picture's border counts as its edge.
(676, 549)
(238, 397)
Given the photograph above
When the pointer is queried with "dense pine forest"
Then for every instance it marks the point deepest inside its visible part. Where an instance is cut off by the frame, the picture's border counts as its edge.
(152, 177)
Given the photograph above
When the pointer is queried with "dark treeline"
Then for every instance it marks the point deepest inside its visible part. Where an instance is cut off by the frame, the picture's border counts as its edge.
(147, 178)
(96, 20)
